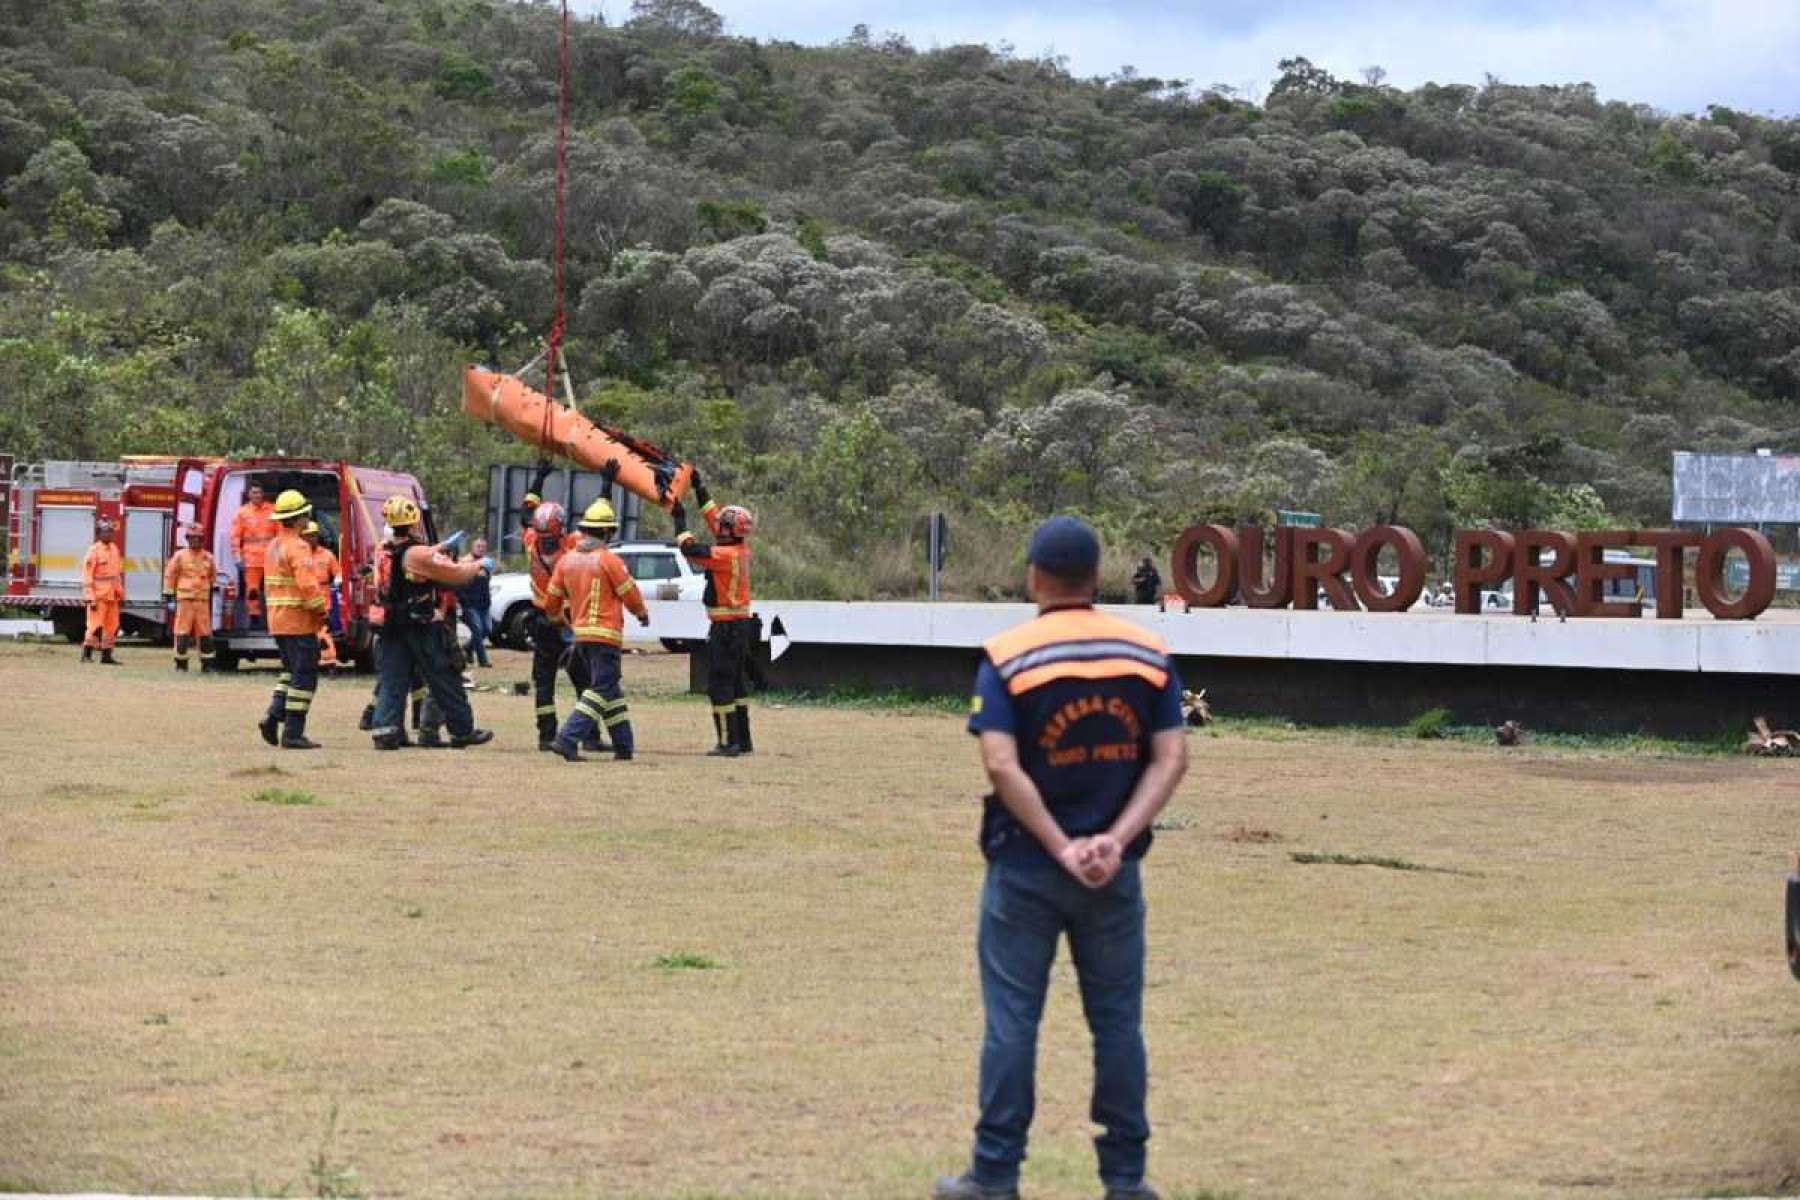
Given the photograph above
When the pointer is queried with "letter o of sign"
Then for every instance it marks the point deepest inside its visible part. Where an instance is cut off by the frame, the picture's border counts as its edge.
(1365, 562)
(1224, 544)
(1709, 574)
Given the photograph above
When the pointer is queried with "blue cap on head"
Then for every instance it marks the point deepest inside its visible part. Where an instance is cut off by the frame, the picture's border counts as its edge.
(1065, 546)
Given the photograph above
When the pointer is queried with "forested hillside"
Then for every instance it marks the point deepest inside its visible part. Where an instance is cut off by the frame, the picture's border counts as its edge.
(860, 281)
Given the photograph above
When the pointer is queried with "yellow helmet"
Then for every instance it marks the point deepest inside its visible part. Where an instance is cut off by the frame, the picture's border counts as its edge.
(310, 529)
(599, 515)
(291, 504)
(400, 511)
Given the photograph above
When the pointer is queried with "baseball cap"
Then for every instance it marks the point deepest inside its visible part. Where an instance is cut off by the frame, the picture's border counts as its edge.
(1065, 546)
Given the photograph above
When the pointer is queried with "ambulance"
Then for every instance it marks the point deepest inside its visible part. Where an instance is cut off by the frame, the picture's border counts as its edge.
(51, 508)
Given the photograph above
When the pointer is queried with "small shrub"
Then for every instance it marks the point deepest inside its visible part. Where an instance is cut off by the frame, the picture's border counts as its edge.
(687, 962)
(1430, 724)
(292, 797)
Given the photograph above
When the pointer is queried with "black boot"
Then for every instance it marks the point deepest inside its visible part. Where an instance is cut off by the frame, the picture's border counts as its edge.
(181, 664)
(368, 718)
(388, 741)
(475, 737)
(87, 654)
(293, 737)
(569, 750)
(547, 732)
(270, 728)
(107, 659)
(743, 729)
(431, 739)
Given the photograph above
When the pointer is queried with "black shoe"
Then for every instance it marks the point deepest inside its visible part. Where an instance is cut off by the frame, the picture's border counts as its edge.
(368, 718)
(298, 741)
(726, 750)
(107, 659)
(622, 756)
(270, 729)
(181, 664)
(547, 743)
(429, 739)
(87, 654)
(569, 750)
(965, 1187)
(388, 741)
(1142, 1191)
(475, 737)
(595, 746)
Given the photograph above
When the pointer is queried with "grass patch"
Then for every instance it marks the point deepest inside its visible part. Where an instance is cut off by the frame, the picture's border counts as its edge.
(1172, 822)
(1307, 858)
(288, 797)
(329, 1177)
(1253, 836)
(687, 962)
(266, 772)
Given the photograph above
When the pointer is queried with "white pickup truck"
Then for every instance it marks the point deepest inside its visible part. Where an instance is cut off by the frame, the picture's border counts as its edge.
(662, 573)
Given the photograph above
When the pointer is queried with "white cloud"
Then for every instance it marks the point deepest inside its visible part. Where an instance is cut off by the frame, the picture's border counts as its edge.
(1675, 54)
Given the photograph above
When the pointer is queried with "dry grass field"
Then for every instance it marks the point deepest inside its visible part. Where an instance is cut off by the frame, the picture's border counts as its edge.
(680, 977)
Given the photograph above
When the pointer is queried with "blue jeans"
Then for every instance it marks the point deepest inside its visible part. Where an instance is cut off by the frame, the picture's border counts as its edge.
(1025, 910)
(481, 626)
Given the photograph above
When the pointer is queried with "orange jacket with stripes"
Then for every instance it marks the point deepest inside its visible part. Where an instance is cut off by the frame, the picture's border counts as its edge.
(727, 567)
(189, 575)
(593, 587)
(297, 602)
(543, 565)
(102, 573)
(253, 531)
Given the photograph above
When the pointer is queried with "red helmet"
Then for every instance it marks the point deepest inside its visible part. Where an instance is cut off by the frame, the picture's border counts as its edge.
(193, 531)
(549, 519)
(736, 521)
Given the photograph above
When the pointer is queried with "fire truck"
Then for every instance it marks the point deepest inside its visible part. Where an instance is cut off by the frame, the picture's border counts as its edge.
(51, 508)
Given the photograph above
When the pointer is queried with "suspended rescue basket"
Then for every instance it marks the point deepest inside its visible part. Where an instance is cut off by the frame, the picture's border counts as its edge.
(647, 470)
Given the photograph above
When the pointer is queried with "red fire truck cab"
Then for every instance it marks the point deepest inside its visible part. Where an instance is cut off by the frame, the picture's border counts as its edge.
(52, 508)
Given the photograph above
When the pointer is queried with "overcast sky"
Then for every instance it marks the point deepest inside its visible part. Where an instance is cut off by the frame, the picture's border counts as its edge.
(1679, 55)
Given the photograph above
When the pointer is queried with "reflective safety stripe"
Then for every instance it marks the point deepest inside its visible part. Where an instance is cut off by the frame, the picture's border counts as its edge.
(417, 693)
(724, 710)
(620, 719)
(622, 588)
(546, 710)
(600, 633)
(385, 730)
(582, 706)
(728, 614)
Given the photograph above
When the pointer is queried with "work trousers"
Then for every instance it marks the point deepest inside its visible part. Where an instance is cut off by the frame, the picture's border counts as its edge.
(728, 647)
(602, 703)
(253, 589)
(424, 650)
(193, 623)
(481, 627)
(298, 682)
(102, 624)
(1026, 908)
(548, 653)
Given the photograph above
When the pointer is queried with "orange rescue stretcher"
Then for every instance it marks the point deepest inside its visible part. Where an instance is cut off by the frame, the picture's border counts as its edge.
(647, 470)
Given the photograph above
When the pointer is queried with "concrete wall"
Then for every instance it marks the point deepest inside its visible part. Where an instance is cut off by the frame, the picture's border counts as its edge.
(1696, 677)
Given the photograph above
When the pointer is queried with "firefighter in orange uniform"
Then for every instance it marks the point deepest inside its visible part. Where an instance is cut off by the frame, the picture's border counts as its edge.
(545, 544)
(589, 592)
(188, 583)
(728, 640)
(103, 588)
(252, 531)
(325, 566)
(297, 610)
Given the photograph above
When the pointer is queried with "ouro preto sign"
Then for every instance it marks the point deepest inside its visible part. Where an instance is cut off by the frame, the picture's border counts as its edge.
(1569, 570)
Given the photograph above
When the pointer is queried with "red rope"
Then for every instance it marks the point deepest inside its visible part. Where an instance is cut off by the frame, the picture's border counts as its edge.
(554, 357)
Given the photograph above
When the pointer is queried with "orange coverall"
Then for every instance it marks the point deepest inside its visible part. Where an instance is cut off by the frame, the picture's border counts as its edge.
(103, 587)
(326, 568)
(189, 580)
(252, 530)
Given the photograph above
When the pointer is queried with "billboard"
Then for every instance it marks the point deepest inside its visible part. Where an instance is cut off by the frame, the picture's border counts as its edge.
(574, 490)
(1737, 489)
